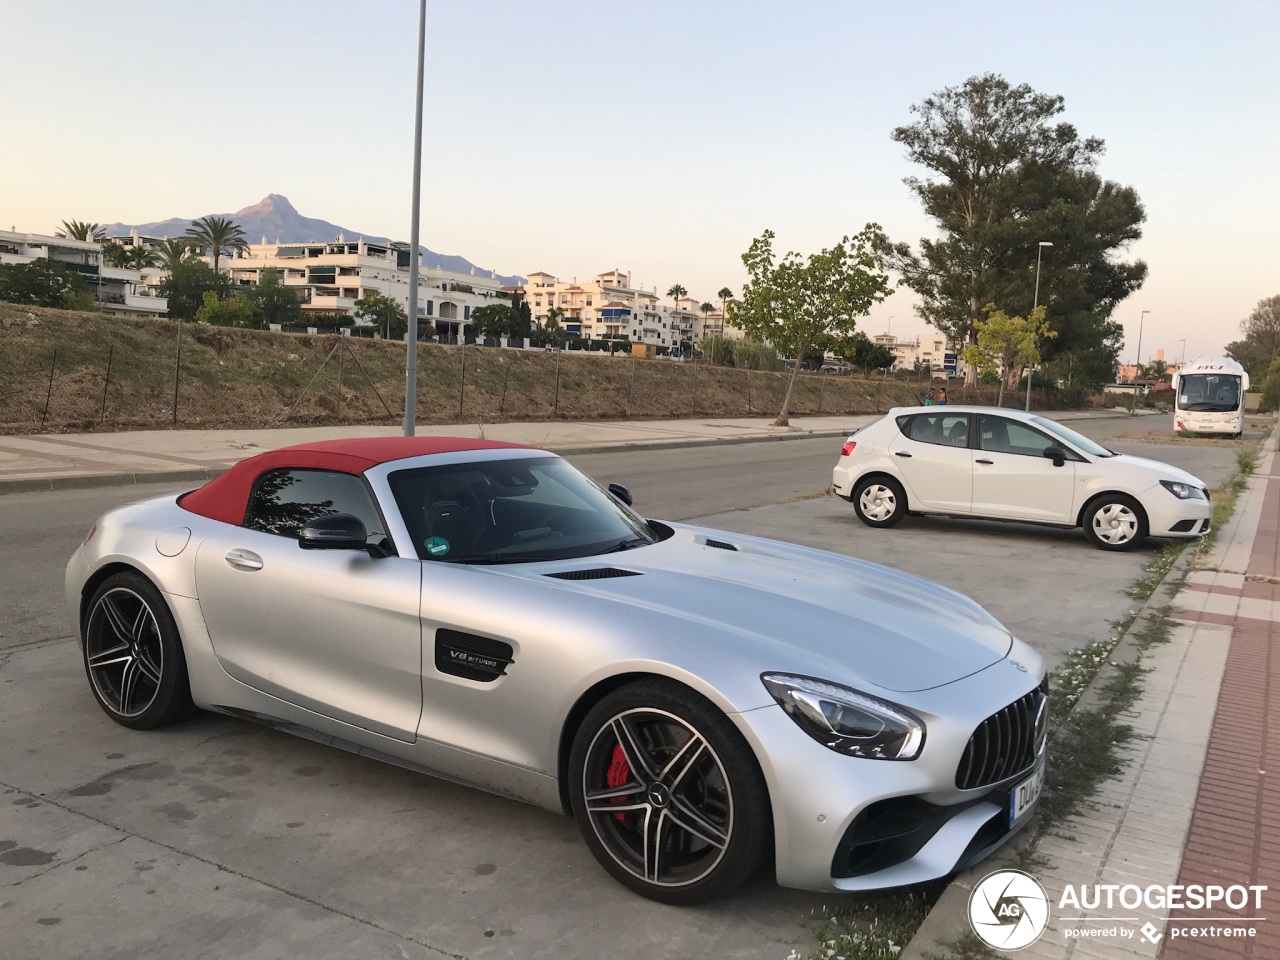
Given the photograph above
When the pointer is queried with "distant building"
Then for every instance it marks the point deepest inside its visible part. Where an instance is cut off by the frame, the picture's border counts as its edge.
(119, 291)
(612, 307)
(330, 277)
(932, 349)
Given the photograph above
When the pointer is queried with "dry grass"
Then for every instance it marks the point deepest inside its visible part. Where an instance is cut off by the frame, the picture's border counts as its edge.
(247, 378)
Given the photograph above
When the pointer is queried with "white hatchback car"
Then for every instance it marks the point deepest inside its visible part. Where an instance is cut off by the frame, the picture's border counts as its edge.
(1007, 465)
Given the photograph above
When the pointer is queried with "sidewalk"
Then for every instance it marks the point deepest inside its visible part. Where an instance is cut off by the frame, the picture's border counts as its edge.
(1191, 804)
(66, 461)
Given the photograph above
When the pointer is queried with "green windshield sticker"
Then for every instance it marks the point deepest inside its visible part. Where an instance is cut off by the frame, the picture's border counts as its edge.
(437, 546)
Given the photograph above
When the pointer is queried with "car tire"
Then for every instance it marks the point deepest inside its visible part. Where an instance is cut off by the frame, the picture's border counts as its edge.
(133, 655)
(668, 794)
(1114, 522)
(879, 501)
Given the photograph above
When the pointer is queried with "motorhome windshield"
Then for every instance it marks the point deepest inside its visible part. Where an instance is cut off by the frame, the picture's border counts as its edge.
(1208, 392)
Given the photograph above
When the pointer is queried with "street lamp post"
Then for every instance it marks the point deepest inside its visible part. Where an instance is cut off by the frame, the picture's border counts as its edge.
(411, 347)
(1035, 302)
(1182, 354)
(1133, 405)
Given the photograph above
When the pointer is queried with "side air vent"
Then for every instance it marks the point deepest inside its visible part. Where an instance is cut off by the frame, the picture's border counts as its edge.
(721, 545)
(594, 573)
(471, 657)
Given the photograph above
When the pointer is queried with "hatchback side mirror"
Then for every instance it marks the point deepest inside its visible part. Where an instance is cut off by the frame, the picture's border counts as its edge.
(1056, 454)
(338, 531)
(621, 492)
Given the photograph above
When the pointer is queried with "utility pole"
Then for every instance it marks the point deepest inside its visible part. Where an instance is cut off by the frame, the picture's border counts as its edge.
(411, 347)
(1035, 302)
(1133, 405)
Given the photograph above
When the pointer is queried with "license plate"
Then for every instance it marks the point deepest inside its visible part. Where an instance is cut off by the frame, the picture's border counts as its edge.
(1023, 797)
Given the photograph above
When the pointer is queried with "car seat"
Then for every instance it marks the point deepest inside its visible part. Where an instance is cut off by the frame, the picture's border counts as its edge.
(958, 434)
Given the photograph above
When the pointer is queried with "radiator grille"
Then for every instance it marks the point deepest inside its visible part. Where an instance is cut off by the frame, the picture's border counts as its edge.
(1007, 742)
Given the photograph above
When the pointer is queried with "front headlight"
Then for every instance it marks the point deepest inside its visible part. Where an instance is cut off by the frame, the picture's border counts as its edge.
(1183, 491)
(848, 721)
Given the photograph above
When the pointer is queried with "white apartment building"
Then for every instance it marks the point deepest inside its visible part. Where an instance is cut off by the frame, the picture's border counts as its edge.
(119, 291)
(932, 349)
(331, 277)
(611, 307)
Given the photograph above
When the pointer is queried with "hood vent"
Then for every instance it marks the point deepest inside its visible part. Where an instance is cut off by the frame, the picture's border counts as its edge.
(594, 573)
(721, 545)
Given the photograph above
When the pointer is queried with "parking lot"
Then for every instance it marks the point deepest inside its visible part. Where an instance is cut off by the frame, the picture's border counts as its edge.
(220, 838)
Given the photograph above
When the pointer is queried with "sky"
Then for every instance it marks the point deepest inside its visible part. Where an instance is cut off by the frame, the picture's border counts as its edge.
(656, 137)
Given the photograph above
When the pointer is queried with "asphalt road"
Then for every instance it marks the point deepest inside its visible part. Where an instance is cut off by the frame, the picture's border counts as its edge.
(221, 838)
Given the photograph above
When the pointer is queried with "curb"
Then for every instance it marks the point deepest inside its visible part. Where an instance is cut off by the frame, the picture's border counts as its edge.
(92, 480)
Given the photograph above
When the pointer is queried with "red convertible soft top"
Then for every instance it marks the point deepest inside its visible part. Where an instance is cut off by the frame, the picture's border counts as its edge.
(226, 497)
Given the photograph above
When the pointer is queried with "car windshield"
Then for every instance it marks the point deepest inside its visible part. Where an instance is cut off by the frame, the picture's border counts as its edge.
(1077, 440)
(512, 511)
(1208, 392)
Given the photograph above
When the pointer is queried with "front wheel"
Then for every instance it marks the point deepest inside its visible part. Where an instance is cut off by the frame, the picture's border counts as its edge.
(133, 655)
(1115, 522)
(879, 501)
(667, 793)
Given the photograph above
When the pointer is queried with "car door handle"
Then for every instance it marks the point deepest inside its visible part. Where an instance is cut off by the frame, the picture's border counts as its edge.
(902, 453)
(987, 462)
(244, 560)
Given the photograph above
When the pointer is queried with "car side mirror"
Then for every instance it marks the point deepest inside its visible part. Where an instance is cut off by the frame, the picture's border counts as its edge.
(338, 531)
(621, 492)
(1056, 454)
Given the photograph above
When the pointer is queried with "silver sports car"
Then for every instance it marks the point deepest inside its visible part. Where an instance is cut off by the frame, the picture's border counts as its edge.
(697, 700)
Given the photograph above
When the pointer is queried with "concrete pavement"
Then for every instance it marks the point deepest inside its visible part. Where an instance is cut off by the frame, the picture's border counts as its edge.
(67, 461)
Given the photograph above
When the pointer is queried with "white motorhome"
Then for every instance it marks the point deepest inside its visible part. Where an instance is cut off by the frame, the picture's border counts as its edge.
(1209, 397)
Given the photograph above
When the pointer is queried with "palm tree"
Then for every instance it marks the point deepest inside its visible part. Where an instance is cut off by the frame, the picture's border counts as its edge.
(218, 234)
(172, 250)
(141, 256)
(115, 254)
(82, 230)
(725, 295)
(675, 293)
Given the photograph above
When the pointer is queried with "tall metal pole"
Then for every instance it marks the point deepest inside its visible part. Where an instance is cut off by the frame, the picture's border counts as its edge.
(1035, 302)
(1182, 354)
(411, 347)
(1133, 405)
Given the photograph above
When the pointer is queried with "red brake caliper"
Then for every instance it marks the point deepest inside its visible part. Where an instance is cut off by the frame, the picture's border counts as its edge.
(619, 773)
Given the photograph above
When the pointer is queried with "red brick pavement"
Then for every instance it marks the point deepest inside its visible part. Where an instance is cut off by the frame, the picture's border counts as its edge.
(1235, 827)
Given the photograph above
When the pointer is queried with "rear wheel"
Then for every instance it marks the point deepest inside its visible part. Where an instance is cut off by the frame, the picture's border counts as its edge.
(668, 795)
(879, 501)
(1115, 522)
(133, 655)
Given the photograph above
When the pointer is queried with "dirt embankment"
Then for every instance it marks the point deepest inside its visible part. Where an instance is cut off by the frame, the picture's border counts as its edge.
(71, 372)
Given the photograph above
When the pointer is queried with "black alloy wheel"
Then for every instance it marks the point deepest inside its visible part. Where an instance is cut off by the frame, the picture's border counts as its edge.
(668, 795)
(132, 655)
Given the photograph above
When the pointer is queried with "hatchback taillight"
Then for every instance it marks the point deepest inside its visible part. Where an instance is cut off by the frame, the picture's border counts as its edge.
(848, 448)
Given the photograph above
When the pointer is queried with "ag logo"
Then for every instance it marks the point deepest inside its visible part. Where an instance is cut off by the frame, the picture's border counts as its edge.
(1008, 910)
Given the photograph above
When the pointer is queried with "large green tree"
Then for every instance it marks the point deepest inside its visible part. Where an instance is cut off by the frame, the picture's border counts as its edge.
(273, 301)
(141, 256)
(186, 286)
(114, 253)
(1004, 173)
(44, 283)
(495, 320)
(384, 313)
(1260, 347)
(216, 235)
(800, 305)
(860, 351)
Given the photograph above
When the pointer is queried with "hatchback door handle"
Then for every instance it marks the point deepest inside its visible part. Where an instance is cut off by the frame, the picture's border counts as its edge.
(902, 453)
(987, 462)
(244, 559)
